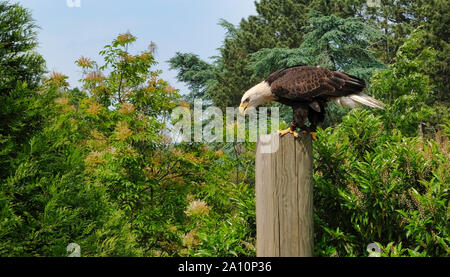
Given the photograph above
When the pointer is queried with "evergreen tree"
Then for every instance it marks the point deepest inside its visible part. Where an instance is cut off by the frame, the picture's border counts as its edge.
(278, 24)
(196, 73)
(330, 41)
(21, 70)
(18, 61)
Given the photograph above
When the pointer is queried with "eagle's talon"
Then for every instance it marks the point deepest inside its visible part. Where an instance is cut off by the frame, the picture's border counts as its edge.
(288, 131)
(313, 135)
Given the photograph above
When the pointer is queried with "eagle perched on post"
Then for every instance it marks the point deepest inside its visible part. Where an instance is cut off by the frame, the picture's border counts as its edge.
(308, 89)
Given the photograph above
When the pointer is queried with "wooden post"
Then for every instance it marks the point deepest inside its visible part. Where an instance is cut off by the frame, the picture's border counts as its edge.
(284, 197)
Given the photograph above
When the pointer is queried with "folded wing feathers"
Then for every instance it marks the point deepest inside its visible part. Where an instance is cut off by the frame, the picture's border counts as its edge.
(355, 84)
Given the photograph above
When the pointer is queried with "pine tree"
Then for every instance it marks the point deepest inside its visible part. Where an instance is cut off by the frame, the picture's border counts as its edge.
(21, 70)
(193, 71)
(278, 23)
(18, 61)
(330, 41)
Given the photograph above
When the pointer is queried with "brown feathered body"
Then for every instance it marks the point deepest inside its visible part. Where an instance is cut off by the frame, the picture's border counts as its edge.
(308, 89)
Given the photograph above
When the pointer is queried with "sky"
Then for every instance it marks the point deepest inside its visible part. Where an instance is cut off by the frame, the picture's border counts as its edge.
(69, 30)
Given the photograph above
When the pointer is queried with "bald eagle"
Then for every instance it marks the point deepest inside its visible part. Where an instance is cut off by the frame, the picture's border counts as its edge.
(308, 89)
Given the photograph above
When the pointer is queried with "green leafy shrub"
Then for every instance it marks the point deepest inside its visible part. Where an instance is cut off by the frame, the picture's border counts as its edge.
(407, 90)
(46, 202)
(378, 186)
(102, 172)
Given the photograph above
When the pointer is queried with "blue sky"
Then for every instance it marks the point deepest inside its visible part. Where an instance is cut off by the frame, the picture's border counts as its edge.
(174, 25)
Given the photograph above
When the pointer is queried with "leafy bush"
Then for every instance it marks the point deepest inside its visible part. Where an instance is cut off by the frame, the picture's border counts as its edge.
(407, 90)
(46, 202)
(229, 230)
(101, 172)
(378, 186)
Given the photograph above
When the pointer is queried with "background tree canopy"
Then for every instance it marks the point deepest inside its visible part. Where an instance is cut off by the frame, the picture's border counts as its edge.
(94, 165)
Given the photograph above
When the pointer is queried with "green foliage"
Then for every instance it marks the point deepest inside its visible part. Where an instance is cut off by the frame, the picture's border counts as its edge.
(407, 90)
(20, 72)
(18, 61)
(342, 44)
(329, 41)
(228, 230)
(378, 186)
(101, 172)
(46, 203)
(193, 71)
(20, 117)
(434, 16)
(398, 19)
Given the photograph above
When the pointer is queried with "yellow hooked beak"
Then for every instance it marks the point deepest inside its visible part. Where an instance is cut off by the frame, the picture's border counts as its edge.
(243, 108)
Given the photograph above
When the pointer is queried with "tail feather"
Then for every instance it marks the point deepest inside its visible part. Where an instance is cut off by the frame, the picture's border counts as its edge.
(367, 100)
(356, 100)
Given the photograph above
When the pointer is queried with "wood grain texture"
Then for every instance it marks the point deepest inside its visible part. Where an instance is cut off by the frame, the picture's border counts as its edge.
(284, 203)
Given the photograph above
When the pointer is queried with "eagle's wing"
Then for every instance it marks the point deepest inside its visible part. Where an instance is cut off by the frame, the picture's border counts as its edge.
(304, 83)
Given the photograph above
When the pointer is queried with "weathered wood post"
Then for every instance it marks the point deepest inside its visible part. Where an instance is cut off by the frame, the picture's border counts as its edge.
(284, 196)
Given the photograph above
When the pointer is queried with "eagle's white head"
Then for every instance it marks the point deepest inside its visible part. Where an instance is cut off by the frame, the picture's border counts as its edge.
(257, 95)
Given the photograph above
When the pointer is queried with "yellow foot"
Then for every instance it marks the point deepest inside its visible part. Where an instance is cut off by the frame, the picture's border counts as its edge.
(288, 131)
(313, 134)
